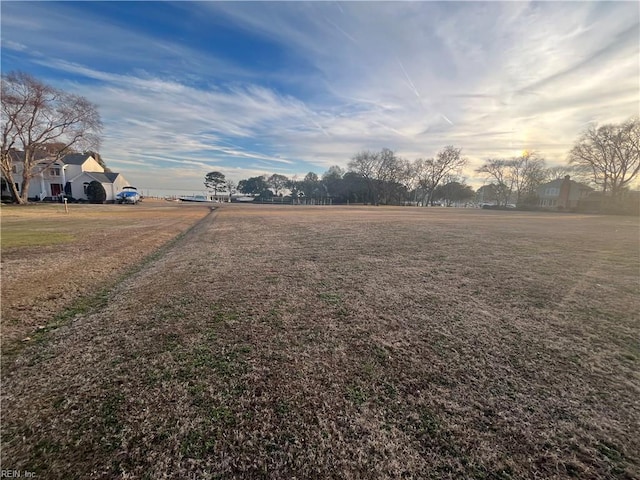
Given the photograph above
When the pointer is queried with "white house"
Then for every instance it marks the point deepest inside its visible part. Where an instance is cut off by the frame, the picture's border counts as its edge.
(70, 176)
(111, 181)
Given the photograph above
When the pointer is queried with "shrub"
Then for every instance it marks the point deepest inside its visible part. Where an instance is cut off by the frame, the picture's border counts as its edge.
(96, 192)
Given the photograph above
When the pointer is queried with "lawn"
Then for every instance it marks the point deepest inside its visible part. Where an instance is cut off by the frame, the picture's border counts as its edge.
(51, 258)
(337, 342)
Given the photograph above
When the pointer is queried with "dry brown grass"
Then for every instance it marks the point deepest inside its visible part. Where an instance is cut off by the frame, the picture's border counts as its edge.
(51, 258)
(294, 342)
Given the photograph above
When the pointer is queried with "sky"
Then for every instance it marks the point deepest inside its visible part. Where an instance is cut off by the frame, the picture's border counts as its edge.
(252, 88)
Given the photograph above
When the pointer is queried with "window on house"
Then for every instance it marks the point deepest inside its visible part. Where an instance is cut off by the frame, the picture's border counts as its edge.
(54, 171)
(14, 169)
(85, 185)
(551, 191)
(17, 187)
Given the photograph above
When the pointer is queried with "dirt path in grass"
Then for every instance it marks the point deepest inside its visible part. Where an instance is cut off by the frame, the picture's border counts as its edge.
(100, 243)
(294, 342)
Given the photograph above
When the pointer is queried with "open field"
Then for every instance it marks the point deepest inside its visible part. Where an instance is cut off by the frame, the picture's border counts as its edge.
(50, 258)
(329, 342)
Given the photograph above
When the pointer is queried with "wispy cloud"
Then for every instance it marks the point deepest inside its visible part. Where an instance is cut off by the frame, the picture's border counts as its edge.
(493, 78)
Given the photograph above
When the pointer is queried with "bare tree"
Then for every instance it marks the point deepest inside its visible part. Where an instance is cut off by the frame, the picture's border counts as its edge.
(431, 172)
(559, 172)
(422, 169)
(410, 181)
(528, 173)
(611, 153)
(498, 171)
(230, 186)
(384, 174)
(390, 176)
(36, 116)
(519, 176)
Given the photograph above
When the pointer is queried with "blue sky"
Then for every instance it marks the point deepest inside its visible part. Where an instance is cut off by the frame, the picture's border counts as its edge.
(281, 87)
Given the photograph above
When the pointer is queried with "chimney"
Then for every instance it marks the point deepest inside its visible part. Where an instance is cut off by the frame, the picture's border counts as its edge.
(565, 190)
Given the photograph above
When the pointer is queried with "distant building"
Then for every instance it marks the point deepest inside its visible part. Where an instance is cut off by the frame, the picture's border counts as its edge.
(562, 194)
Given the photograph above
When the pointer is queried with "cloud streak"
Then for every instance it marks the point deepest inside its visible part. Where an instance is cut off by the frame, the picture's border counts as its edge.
(304, 86)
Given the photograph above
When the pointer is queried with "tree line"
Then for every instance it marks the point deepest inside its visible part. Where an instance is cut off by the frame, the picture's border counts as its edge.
(378, 178)
(606, 156)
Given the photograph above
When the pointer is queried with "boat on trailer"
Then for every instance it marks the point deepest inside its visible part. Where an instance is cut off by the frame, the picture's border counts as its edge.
(128, 195)
(196, 198)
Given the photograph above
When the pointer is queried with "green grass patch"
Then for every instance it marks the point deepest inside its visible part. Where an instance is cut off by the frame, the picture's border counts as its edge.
(81, 306)
(330, 298)
(33, 238)
(356, 395)
(202, 358)
(218, 315)
(197, 444)
(111, 408)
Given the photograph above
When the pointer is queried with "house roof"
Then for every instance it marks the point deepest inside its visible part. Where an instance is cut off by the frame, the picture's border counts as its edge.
(75, 158)
(111, 175)
(69, 159)
(103, 177)
(553, 183)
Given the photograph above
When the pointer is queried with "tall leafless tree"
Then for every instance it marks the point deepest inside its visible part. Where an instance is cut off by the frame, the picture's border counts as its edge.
(384, 174)
(431, 172)
(560, 171)
(230, 186)
(520, 176)
(36, 116)
(390, 176)
(611, 153)
(528, 172)
(498, 172)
